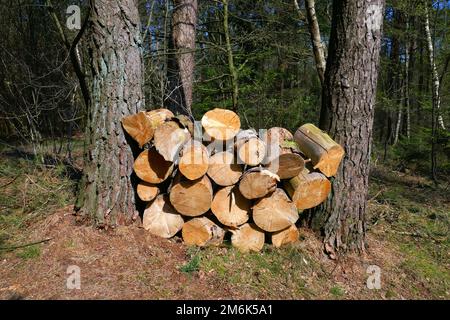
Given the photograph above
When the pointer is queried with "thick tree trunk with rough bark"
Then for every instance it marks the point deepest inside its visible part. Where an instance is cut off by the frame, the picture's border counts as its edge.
(106, 193)
(347, 115)
(182, 64)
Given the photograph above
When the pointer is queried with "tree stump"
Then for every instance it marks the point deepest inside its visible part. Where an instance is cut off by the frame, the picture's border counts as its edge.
(223, 169)
(191, 197)
(308, 189)
(202, 232)
(151, 167)
(275, 212)
(221, 124)
(230, 207)
(248, 237)
(161, 219)
(256, 183)
(324, 152)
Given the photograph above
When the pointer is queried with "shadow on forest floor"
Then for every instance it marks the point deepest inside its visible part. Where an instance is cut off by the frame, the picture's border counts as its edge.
(408, 222)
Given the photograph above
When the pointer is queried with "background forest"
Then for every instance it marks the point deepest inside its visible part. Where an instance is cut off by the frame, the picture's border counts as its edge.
(273, 71)
(256, 58)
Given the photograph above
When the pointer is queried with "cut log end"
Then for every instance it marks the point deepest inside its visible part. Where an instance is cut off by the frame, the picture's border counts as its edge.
(191, 197)
(286, 236)
(147, 191)
(230, 207)
(275, 212)
(139, 127)
(223, 169)
(161, 219)
(256, 183)
(169, 138)
(221, 124)
(248, 237)
(151, 167)
(308, 189)
(194, 161)
(202, 232)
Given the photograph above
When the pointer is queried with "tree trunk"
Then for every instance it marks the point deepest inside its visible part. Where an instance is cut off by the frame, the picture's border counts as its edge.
(184, 22)
(314, 30)
(106, 192)
(231, 67)
(436, 100)
(202, 232)
(347, 114)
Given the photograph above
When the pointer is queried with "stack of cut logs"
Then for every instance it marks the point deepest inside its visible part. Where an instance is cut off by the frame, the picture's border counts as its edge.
(250, 185)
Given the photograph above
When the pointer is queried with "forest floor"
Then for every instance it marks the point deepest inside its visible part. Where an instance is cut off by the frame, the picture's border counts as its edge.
(408, 239)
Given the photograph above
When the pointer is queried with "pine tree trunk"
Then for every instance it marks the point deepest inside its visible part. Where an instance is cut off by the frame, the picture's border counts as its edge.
(347, 114)
(106, 193)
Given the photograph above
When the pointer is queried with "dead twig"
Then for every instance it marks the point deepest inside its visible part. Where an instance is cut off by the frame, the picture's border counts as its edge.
(24, 245)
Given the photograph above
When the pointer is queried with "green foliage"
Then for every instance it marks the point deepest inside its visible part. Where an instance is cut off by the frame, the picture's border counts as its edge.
(30, 252)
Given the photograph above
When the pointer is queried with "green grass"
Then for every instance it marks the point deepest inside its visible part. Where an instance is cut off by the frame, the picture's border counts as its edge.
(337, 292)
(266, 273)
(31, 252)
(30, 191)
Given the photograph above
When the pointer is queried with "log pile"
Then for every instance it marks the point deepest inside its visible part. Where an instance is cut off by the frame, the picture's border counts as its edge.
(250, 186)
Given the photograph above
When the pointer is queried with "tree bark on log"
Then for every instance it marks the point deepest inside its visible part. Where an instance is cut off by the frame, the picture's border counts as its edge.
(106, 192)
(256, 183)
(275, 212)
(308, 189)
(151, 167)
(202, 232)
(285, 236)
(223, 169)
(230, 207)
(282, 157)
(191, 197)
(248, 237)
(325, 154)
(161, 219)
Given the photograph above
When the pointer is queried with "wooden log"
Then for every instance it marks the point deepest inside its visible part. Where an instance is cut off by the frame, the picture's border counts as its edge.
(248, 237)
(161, 219)
(223, 169)
(275, 211)
(308, 189)
(139, 127)
(324, 152)
(221, 124)
(151, 167)
(159, 116)
(285, 236)
(282, 156)
(202, 232)
(256, 183)
(169, 138)
(147, 191)
(194, 161)
(191, 197)
(230, 207)
(250, 149)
